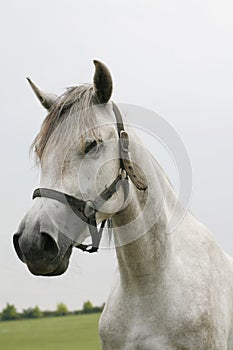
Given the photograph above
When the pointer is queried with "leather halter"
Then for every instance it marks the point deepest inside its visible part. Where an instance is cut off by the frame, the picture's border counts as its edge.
(86, 210)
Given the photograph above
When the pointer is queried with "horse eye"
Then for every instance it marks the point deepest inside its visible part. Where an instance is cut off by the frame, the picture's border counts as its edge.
(91, 147)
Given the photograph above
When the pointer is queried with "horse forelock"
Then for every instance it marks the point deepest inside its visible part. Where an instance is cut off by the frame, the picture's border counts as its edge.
(75, 100)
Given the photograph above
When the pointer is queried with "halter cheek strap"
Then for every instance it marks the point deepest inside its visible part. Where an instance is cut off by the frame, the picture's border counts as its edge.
(86, 210)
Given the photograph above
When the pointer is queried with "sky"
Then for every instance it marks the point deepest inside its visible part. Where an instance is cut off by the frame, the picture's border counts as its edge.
(173, 57)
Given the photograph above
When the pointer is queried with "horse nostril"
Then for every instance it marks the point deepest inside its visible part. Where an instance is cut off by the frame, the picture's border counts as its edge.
(48, 244)
(16, 237)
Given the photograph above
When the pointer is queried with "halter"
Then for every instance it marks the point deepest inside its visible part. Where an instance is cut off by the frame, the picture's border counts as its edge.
(86, 210)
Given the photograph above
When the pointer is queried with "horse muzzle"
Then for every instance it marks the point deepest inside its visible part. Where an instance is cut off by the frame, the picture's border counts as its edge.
(42, 254)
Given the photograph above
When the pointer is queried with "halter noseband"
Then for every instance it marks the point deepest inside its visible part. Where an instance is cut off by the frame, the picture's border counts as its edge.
(86, 210)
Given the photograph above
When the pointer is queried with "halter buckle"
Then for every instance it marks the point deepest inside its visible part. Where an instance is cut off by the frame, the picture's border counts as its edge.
(124, 140)
(123, 173)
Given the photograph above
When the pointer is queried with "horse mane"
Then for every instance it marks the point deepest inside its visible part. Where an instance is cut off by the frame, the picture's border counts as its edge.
(75, 100)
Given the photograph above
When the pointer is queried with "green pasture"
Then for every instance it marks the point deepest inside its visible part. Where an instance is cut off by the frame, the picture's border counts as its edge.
(55, 333)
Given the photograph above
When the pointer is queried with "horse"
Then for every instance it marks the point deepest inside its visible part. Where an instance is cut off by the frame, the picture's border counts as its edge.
(172, 291)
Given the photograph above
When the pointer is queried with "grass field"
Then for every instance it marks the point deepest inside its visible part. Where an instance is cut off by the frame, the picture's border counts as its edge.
(57, 333)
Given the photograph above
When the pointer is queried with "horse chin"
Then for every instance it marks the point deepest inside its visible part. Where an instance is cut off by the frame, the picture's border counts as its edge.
(51, 270)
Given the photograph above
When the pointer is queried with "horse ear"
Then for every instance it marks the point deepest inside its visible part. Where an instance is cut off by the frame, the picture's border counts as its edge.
(46, 99)
(102, 82)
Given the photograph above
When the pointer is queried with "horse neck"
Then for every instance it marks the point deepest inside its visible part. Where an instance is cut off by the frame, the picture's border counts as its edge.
(143, 247)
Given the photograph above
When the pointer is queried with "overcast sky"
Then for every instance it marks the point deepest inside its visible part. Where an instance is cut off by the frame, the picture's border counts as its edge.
(174, 57)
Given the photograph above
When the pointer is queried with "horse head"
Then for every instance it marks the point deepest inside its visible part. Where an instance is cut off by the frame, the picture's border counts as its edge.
(83, 177)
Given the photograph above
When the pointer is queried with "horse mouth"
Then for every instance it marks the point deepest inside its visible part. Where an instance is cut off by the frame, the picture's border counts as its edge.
(51, 269)
(44, 256)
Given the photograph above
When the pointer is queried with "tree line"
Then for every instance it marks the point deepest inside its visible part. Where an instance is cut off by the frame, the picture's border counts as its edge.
(10, 312)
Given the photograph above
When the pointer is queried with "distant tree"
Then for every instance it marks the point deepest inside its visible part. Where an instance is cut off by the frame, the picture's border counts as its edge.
(87, 307)
(78, 312)
(9, 313)
(48, 313)
(32, 313)
(37, 312)
(62, 309)
(97, 309)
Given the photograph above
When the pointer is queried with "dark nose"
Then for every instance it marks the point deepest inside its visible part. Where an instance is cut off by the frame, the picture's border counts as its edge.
(40, 248)
(49, 245)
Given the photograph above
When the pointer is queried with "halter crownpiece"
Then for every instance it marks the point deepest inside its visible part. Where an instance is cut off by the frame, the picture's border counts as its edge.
(86, 210)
